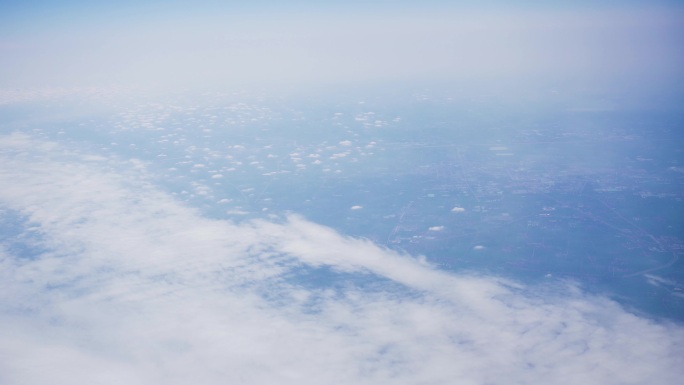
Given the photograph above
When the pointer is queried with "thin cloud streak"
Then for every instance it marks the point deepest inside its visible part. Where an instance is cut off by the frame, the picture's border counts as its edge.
(133, 287)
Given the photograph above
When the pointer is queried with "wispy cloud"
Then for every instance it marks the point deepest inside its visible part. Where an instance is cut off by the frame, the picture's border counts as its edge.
(133, 287)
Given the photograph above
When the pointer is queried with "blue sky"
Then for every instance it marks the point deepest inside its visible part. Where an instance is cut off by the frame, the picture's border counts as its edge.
(306, 43)
(23, 15)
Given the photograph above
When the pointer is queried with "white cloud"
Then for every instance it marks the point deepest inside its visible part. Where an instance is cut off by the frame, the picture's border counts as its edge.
(339, 155)
(457, 210)
(133, 287)
(436, 228)
(356, 207)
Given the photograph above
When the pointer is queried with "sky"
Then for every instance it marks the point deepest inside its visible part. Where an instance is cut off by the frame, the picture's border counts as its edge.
(304, 44)
(118, 282)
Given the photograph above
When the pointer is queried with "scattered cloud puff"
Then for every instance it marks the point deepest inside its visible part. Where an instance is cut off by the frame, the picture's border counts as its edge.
(339, 155)
(436, 228)
(356, 207)
(457, 210)
(130, 286)
(478, 248)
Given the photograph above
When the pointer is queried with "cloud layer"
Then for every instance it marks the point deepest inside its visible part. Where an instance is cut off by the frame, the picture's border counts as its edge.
(123, 284)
